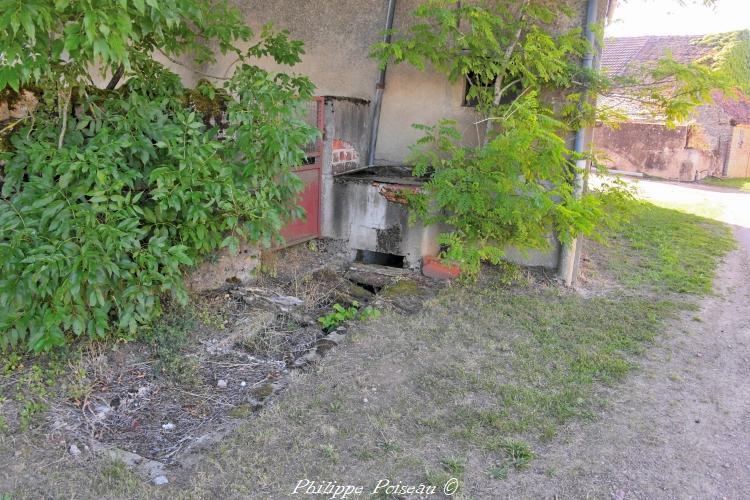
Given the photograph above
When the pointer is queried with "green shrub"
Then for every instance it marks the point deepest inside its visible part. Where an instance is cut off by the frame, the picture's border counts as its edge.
(108, 196)
(510, 180)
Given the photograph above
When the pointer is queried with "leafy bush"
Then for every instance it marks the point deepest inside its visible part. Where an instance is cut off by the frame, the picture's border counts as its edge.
(512, 179)
(108, 195)
(512, 191)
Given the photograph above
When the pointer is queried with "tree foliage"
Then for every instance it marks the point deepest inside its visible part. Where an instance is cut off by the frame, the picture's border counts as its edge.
(510, 182)
(108, 195)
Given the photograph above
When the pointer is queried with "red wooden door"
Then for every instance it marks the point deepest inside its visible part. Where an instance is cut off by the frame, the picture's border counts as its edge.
(308, 227)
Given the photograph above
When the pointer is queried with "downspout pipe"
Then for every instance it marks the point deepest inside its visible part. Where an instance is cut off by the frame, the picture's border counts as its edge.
(567, 269)
(377, 101)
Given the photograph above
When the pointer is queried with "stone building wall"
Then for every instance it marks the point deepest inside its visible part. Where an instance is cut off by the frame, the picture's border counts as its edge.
(658, 151)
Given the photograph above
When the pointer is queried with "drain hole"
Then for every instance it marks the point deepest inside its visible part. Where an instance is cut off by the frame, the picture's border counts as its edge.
(380, 259)
(373, 289)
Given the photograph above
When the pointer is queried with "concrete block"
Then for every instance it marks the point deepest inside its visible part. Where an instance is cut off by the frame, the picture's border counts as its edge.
(226, 269)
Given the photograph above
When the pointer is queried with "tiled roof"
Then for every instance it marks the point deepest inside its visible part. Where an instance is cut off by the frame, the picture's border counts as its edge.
(622, 55)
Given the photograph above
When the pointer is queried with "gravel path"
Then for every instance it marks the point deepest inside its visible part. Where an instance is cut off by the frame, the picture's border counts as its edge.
(680, 427)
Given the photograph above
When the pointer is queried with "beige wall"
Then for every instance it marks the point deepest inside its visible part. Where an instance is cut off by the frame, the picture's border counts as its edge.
(338, 36)
(739, 155)
(655, 150)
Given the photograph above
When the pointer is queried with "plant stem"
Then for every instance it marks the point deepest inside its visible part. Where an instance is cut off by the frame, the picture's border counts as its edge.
(64, 112)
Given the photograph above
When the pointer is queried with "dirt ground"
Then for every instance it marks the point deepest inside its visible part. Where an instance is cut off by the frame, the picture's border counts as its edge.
(527, 391)
(678, 429)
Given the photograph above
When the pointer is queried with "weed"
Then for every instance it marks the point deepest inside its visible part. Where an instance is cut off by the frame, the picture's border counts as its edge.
(32, 392)
(454, 465)
(668, 250)
(79, 388)
(440, 478)
(365, 455)
(335, 406)
(206, 315)
(518, 455)
(390, 447)
(167, 338)
(117, 477)
(741, 183)
(499, 472)
(341, 314)
(13, 362)
(329, 452)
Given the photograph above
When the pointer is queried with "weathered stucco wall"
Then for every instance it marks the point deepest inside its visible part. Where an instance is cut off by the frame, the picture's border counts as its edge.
(369, 219)
(655, 150)
(338, 38)
(738, 162)
(345, 120)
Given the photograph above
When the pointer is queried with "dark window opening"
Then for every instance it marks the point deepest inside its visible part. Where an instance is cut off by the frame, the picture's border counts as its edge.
(380, 259)
(474, 80)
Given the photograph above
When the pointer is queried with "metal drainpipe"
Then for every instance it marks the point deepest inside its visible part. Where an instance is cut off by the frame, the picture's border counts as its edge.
(567, 268)
(377, 101)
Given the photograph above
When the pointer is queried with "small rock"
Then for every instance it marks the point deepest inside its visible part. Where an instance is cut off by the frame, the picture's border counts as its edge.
(262, 391)
(73, 450)
(168, 426)
(726, 466)
(160, 480)
(311, 357)
(243, 383)
(221, 384)
(364, 400)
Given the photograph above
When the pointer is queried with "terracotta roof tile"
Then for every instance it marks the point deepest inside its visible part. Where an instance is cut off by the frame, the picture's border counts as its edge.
(622, 55)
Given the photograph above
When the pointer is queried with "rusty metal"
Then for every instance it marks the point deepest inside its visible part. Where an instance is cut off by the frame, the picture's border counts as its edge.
(396, 193)
(308, 227)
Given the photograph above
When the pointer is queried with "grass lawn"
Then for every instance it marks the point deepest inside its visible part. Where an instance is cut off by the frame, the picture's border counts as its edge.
(741, 183)
(470, 388)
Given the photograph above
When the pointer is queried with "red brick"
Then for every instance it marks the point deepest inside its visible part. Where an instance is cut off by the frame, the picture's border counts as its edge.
(434, 268)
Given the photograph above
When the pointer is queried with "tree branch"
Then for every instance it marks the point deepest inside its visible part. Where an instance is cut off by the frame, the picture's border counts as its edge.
(64, 112)
(509, 52)
(112, 85)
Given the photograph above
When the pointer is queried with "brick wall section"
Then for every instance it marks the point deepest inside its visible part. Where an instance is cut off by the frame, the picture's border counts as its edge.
(344, 157)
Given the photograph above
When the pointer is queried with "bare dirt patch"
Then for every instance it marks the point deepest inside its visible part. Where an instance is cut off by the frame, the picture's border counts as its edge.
(518, 390)
(203, 370)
